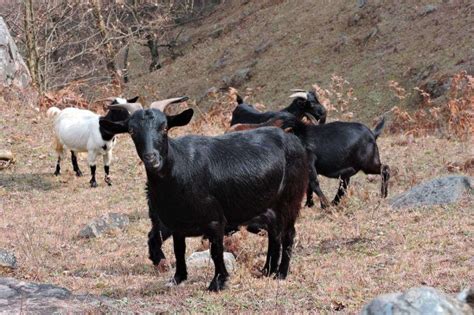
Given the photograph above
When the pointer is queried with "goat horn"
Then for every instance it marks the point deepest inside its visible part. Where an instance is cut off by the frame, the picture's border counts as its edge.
(298, 90)
(108, 99)
(161, 105)
(130, 107)
(300, 94)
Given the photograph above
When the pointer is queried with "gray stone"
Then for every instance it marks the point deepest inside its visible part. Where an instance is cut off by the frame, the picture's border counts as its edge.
(13, 70)
(104, 224)
(203, 259)
(7, 259)
(361, 3)
(26, 297)
(427, 9)
(263, 46)
(440, 191)
(422, 300)
(238, 78)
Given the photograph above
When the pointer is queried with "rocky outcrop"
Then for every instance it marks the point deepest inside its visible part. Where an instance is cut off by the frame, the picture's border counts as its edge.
(15, 79)
(444, 190)
(19, 297)
(423, 300)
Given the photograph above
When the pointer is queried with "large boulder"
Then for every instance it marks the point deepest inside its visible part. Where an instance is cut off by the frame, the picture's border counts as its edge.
(15, 79)
(439, 191)
(19, 297)
(422, 301)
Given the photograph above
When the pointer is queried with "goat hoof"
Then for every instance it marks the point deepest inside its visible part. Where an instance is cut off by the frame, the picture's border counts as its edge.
(217, 284)
(108, 180)
(280, 276)
(93, 184)
(57, 173)
(177, 279)
(162, 266)
(309, 203)
(78, 173)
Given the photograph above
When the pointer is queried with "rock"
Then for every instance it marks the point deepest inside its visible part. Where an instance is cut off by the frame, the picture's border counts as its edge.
(427, 9)
(13, 70)
(7, 259)
(263, 46)
(203, 259)
(444, 190)
(238, 78)
(216, 33)
(17, 296)
(104, 224)
(15, 79)
(423, 300)
(361, 3)
(6, 155)
(467, 296)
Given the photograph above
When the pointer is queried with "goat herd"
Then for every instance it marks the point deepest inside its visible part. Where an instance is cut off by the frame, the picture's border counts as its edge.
(255, 175)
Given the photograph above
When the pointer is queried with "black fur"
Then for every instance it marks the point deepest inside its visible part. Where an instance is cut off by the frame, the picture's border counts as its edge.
(339, 150)
(300, 107)
(200, 185)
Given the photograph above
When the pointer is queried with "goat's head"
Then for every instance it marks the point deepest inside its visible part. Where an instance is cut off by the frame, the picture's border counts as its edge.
(117, 113)
(149, 129)
(309, 105)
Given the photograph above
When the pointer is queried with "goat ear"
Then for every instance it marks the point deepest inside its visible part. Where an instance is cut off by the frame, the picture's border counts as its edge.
(114, 127)
(133, 100)
(181, 119)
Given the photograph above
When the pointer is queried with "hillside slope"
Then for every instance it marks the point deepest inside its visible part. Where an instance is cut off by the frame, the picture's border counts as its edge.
(294, 44)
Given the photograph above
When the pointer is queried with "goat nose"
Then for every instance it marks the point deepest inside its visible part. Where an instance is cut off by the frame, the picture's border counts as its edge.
(149, 156)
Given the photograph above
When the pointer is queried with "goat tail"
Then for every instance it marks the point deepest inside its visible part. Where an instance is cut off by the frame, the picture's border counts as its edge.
(378, 129)
(53, 112)
(239, 99)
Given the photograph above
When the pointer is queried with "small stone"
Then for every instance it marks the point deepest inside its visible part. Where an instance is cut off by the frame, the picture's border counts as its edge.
(427, 9)
(238, 78)
(361, 3)
(440, 191)
(203, 259)
(104, 224)
(6, 155)
(7, 259)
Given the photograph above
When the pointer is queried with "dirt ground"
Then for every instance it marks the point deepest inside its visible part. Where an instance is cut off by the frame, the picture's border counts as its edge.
(342, 258)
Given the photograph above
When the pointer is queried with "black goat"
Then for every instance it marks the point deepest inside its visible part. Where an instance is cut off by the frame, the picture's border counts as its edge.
(304, 104)
(335, 150)
(199, 185)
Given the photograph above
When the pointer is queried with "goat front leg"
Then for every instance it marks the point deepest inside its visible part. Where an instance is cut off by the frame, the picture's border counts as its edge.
(91, 157)
(75, 166)
(107, 160)
(157, 235)
(216, 237)
(179, 244)
(60, 153)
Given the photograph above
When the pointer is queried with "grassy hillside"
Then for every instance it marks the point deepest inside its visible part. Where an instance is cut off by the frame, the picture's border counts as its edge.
(294, 44)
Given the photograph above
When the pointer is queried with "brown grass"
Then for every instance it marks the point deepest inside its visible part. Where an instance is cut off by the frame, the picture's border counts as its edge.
(342, 258)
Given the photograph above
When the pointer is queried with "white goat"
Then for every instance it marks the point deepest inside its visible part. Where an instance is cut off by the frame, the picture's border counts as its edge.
(78, 130)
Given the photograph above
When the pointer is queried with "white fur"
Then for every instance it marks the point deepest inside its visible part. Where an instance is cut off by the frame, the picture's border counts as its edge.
(78, 131)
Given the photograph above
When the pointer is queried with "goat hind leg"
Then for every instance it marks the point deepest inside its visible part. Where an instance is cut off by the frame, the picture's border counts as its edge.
(107, 158)
(385, 173)
(287, 249)
(75, 166)
(343, 183)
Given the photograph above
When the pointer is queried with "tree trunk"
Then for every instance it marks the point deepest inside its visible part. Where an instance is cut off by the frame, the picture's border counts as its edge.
(155, 56)
(108, 47)
(32, 58)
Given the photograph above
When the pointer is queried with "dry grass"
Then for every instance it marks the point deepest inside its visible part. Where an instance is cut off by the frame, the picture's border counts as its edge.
(341, 259)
